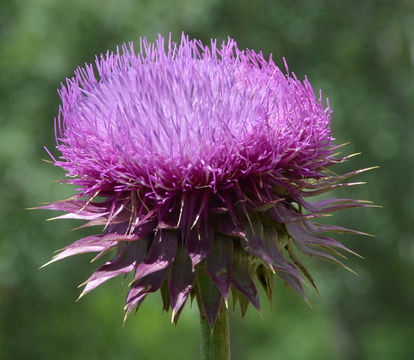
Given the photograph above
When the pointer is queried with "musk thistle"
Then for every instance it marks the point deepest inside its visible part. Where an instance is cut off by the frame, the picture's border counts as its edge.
(198, 162)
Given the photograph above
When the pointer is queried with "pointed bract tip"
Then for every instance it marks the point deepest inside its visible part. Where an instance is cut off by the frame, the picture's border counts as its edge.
(355, 254)
(350, 270)
(368, 169)
(366, 234)
(358, 183)
(82, 284)
(48, 263)
(354, 154)
(344, 144)
(125, 318)
(80, 296)
(97, 257)
(307, 301)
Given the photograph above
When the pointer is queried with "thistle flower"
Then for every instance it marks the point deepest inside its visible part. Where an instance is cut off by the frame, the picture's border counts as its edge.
(198, 162)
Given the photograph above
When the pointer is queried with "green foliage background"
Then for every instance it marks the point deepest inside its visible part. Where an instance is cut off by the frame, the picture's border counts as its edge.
(361, 53)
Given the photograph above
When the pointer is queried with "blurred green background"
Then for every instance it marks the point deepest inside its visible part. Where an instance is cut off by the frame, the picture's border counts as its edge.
(361, 53)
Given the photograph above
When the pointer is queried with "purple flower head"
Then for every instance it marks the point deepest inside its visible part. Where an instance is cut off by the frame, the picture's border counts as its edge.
(198, 162)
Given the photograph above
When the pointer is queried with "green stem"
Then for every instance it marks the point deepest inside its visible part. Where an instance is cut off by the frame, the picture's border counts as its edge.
(216, 345)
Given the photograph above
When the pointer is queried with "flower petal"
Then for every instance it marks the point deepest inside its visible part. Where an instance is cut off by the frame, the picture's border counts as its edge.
(161, 253)
(181, 280)
(127, 259)
(241, 278)
(219, 263)
(210, 297)
(199, 242)
(145, 285)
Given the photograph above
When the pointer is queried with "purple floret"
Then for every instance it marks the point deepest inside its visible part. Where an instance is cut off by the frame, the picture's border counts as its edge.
(176, 117)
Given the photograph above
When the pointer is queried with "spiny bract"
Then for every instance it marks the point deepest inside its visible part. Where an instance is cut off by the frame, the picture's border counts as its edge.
(198, 162)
